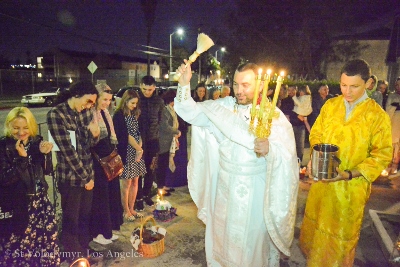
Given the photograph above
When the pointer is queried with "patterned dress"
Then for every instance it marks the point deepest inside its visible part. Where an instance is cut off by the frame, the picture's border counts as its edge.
(132, 168)
(34, 242)
(38, 245)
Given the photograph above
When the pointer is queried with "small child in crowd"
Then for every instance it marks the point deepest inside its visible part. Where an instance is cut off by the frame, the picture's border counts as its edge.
(302, 105)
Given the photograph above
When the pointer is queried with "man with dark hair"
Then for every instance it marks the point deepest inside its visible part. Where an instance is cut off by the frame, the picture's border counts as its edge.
(151, 106)
(244, 187)
(334, 209)
(74, 131)
(318, 100)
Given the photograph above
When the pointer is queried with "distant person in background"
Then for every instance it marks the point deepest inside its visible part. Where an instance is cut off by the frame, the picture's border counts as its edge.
(372, 92)
(318, 100)
(200, 93)
(287, 107)
(216, 93)
(225, 91)
(131, 151)
(151, 108)
(302, 105)
(383, 87)
(72, 127)
(106, 212)
(28, 228)
(393, 109)
(169, 133)
(179, 177)
(282, 95)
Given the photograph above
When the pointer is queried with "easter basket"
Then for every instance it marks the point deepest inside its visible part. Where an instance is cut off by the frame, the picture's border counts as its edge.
(151, 239)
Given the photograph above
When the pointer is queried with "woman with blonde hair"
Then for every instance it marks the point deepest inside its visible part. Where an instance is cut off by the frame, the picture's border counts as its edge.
(130, 148)
(29, 226)
(106, 205)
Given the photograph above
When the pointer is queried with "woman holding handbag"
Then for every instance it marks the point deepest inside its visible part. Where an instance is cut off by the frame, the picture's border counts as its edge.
(106, 212)
(28, 228)
(130, 148)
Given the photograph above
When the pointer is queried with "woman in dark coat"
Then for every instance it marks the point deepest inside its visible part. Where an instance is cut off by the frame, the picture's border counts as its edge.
(168, 133)
(28, 229)
(106, 212)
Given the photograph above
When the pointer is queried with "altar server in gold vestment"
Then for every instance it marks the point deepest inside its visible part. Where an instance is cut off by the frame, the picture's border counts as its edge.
(334, 209)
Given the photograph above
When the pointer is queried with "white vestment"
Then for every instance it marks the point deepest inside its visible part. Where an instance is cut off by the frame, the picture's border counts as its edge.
(247, 202)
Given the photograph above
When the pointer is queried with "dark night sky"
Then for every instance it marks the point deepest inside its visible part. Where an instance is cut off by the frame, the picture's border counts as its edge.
(114, 26)
(101, 26)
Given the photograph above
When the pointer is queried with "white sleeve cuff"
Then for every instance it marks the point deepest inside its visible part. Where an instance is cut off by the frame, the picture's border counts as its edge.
(183, 93)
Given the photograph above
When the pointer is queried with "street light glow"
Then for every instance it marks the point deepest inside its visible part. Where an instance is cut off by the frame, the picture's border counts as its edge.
(216, 53)
(180, 32)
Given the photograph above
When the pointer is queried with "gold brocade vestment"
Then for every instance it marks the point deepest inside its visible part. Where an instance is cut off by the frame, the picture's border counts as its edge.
(334, 211)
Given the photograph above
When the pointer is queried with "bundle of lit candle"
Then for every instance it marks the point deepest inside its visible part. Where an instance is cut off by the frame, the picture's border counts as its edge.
(262, 114)
(164, 210)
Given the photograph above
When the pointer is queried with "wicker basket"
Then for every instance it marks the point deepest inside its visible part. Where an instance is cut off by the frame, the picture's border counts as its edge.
(154, 249)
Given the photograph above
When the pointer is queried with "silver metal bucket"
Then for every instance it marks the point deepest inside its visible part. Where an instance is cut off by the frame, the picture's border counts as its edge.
(324, 161)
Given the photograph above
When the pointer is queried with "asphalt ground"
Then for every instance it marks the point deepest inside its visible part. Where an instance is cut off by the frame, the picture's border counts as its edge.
(184, 241)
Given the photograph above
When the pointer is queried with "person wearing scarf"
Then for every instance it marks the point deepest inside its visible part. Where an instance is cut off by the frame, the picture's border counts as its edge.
(106, 212)
(373, 93)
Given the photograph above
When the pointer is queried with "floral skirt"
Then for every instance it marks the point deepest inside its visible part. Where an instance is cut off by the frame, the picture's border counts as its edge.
(38, 246)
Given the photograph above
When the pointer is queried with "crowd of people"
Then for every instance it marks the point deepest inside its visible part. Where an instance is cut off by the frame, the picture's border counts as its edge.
(244, 187)
(93, 206)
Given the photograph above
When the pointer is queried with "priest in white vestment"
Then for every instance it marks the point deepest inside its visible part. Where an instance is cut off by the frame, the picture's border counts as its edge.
(245, 187)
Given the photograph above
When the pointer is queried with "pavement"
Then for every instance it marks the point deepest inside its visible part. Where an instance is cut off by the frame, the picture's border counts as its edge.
(184, 241)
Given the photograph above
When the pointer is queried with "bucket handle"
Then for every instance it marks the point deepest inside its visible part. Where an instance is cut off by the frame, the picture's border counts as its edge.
(334, 157)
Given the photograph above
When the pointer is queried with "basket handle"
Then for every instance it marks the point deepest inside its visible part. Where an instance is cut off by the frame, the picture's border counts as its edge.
(143, 223)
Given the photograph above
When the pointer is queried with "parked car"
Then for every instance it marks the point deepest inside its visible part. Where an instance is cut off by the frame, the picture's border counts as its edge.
(46, 97)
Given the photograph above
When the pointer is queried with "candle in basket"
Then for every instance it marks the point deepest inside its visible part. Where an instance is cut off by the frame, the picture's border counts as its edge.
(160, 193)
(276, 94)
